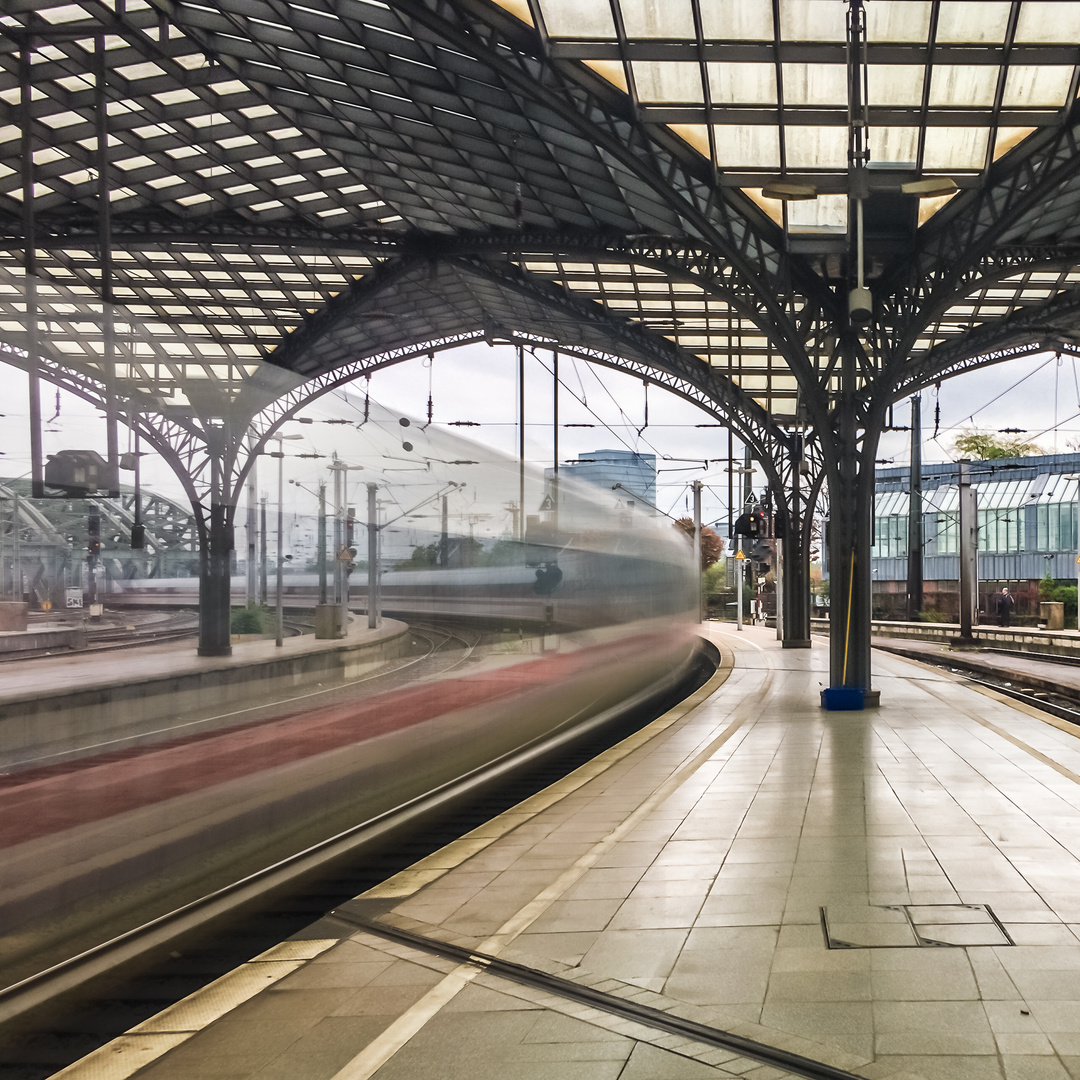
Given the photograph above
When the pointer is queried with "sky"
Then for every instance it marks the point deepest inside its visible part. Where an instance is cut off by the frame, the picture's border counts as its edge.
(478, 384)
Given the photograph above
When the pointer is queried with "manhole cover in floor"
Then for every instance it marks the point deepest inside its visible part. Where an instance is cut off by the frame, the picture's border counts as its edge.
(911, 926)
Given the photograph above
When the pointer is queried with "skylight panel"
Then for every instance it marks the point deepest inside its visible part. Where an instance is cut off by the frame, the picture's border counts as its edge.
(747, 146)
(668, 81)
(894, 144)
(746, 20)
(895, 85)
(815, 84)
(176, 97)
(62, 119)
(192, 61)
(888, 20)
(811, 146)
(1033, 86)
(959, 85)
(578, 19)
(955, 147)
(232, 86)
(164, 182)
(1051, 23)
(989, 26)
(145, 70)
(1008, 137)
(62, 14)
(207, 120)
(742, 84)
(813, 20)
(657, 18)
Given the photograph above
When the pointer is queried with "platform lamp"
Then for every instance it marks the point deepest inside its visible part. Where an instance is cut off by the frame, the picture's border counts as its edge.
(279, 620)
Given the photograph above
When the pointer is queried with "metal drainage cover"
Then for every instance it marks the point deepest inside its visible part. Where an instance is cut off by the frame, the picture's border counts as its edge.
(912, 926)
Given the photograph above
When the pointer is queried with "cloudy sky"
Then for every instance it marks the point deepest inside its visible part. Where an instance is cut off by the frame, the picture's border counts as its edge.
(478, 384)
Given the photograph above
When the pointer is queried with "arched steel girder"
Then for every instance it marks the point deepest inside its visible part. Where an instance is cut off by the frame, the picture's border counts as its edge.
(953, 245)
(179, 444)
(1049, 326)
(527, 305)
(675, 176)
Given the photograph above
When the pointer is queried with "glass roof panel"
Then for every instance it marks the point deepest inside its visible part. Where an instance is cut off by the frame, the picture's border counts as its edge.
(813, 20)
(1031, 86)
(612, 70)
(747, 146)
(955, 147)
(1052, 23)
(894, 144)
(892, 21)
(737, 20)
(1008, 137)
(826, 211)
(963, 84)
(955, 22)
(742, 84)
(895, 84)
(658, 18)
(667, 81)
(573, 19)
(815, 84)
(816, 146)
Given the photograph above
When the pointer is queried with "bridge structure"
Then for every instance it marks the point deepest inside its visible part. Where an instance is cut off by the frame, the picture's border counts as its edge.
(794, 213)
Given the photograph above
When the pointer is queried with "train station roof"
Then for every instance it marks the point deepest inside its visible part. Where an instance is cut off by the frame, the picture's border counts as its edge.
(306, 183)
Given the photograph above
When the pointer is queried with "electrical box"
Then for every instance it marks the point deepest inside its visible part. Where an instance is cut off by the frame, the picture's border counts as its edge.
(79, 472)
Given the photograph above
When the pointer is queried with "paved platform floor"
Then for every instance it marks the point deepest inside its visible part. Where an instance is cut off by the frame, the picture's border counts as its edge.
(93, 670)
(895, 893)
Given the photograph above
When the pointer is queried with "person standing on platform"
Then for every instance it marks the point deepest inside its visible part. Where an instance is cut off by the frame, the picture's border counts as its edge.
(1005, 604)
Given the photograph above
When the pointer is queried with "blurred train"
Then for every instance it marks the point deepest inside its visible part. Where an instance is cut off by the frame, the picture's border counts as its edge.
(581, 588)
(108, 827)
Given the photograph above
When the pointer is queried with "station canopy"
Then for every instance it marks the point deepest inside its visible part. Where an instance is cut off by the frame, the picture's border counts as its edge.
(315, 183)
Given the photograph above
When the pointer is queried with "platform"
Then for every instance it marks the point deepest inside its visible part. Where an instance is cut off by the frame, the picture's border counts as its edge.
(73, 703)
(892, 893)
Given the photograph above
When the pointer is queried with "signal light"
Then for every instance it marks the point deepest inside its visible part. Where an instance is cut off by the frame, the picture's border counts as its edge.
(93, 534)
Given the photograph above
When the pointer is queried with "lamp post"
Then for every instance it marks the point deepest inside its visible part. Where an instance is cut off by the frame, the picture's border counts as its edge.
(279, 639)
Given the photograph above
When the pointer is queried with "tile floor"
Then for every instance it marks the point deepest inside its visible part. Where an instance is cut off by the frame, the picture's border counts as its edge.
(699, 872)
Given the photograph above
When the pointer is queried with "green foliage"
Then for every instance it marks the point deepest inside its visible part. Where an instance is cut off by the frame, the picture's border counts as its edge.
(1047, 588)
(933, 615)
(247, 620)
(988, 445)
(1050, 591)
(714, 578)
(423, 557)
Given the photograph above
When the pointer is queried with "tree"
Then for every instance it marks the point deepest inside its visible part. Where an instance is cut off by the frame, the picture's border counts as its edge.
(712, 547)
(987, 445)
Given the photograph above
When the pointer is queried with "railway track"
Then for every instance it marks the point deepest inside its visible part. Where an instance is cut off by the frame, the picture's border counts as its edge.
(1041, 692)
(263, 911)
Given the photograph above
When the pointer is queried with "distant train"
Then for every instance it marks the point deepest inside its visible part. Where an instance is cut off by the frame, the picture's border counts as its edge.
(579, 589)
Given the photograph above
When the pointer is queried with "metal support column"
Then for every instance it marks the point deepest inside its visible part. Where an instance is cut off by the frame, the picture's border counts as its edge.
(262, 552)
(373, 556)
(851, 495)
(279, 585)
(105, 253)
(915, 540)
(697, 486)
(37, 484)
(252, 594)
(215, 546)
(321, 533)
(969, 551)
(794, 583)
(521, 442)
